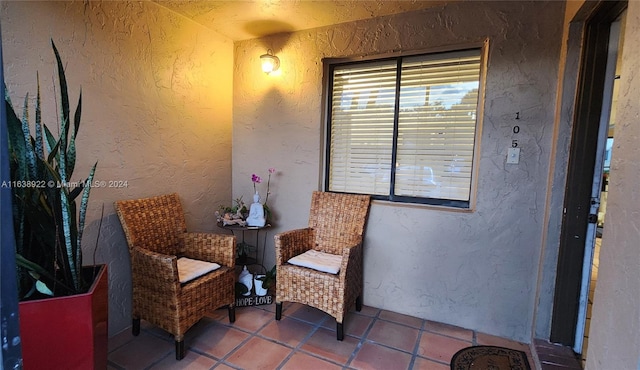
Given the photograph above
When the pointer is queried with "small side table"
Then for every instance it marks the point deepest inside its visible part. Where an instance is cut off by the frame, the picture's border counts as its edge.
(239, 231)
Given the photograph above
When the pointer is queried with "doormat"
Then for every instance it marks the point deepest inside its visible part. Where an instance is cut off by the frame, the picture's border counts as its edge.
(489, 358)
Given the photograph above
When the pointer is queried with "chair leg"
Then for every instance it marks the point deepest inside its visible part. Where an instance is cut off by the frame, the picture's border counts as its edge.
(278, 310)
(179, 349)
(340, 331)
(359, 303)
(232, 313)
(135, 327)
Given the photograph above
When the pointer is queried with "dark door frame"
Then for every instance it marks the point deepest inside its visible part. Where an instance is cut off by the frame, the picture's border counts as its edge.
(580, 170)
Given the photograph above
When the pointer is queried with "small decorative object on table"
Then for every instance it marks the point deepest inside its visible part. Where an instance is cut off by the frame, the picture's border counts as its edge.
(239, 214)
(256, 213)
(233, 215)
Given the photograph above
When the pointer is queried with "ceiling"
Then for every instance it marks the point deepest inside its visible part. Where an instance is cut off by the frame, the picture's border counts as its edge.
(248, 19)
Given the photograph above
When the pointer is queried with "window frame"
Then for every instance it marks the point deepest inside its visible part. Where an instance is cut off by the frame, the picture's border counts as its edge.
(329, 64)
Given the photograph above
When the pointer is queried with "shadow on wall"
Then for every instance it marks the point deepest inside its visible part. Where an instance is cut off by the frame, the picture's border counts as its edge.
(107, 234)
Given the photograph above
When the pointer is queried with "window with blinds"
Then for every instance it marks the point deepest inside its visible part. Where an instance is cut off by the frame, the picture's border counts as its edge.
(404, 129)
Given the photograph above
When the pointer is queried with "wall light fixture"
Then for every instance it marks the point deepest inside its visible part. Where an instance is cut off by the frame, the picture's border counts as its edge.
(270, 62)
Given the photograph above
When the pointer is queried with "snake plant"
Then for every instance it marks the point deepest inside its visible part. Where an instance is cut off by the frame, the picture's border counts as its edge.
(47, 220)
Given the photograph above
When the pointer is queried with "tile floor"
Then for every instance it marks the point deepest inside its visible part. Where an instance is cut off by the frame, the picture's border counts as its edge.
(305, 338)
(592, 288)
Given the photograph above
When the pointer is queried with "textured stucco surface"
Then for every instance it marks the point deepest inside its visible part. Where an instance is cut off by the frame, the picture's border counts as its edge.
(474, 269)
(614, 337)
(156, 91)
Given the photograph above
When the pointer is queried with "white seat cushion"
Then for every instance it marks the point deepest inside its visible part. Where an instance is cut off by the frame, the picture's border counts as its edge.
(189, 269)
(320, 261)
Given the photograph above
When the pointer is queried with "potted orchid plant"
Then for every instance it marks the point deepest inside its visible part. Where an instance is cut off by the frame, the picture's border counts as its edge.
(257, 180)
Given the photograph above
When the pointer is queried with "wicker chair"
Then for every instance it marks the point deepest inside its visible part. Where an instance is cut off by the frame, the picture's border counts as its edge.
(336, 226)
(156, 234)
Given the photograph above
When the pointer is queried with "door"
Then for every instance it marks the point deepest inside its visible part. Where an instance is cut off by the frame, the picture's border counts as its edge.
(584, 176)
(600, 174)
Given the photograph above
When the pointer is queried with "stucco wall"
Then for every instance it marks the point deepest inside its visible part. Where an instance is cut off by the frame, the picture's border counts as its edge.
(474, 269)
(156, 108)
(614, 336)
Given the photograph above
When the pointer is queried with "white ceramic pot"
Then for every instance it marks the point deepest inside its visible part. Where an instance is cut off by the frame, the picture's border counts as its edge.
(257, 284)
(245, 278)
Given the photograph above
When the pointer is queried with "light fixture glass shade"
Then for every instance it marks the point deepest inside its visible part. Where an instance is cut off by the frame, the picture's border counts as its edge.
(270, 62)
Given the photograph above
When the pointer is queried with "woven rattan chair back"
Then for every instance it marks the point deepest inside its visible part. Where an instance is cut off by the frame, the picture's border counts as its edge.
(338, 220)
(155, 223)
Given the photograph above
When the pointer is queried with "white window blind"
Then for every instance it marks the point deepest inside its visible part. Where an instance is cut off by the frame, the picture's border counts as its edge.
(430, 131)
(363, 107)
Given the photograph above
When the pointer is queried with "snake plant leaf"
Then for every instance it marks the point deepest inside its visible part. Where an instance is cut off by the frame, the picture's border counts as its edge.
(62, 151)
(39, 142)
(43, 288)
(50, 142)
(83, 207)
(68, 243)
(17, 149)
(31, 291)
(17, 145)
(36, 271)
(52, 145)
(73, 194)
(71, 156)
(64, 102)
(30, 155)
(76, 117)
(71, 153)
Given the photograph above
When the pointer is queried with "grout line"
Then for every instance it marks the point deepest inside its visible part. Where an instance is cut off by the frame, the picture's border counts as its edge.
(363, 339)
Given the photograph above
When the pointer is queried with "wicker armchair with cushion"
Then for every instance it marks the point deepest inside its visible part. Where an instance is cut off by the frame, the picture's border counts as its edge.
(177, 276)
(321, 265)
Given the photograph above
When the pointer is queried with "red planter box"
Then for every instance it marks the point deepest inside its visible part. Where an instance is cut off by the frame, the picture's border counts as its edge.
(67, 332)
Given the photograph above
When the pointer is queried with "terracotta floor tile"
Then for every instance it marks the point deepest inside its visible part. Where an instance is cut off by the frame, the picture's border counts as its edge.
(223, 367)
(251, 319)
(259, 353)
(426, 364)
(304, 361)
(152, 329)
(306, 313)
(368, 311)
(288, 331)
(142, 351)
(306, 338)
(401, 319)
(394, 335)
(191, 361)
(374, 356)
(324, 344)
(221, 314)
(438, 347)
(268, 307)
(218, 340)
(449, 330)
(120, 339)
(355, 325)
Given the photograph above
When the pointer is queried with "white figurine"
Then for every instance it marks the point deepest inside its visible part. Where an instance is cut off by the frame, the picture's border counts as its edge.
(256, 213)
(246, 278)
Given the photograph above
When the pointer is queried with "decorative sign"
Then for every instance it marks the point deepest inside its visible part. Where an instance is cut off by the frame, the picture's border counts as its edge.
(254, 300)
